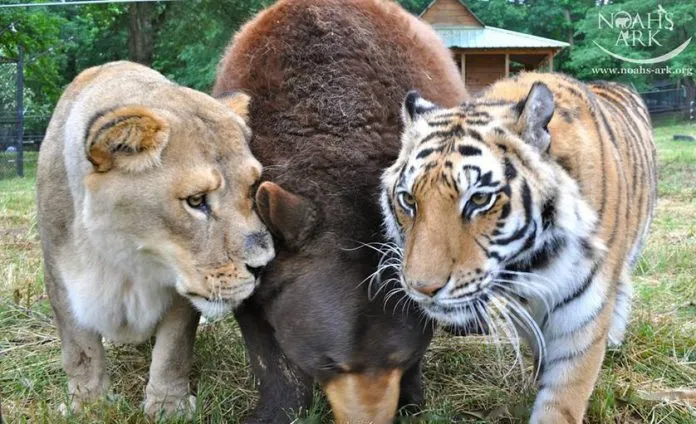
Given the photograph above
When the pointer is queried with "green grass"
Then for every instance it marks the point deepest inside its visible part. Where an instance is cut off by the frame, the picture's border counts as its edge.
(467, 378)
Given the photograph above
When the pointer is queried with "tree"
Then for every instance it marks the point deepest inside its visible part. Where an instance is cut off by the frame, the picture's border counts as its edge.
(39, 34)
(140, 32)
(587, 57)
(192, 39)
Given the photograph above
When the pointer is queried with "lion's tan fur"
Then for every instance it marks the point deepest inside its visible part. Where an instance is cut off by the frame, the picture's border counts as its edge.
(124, 150)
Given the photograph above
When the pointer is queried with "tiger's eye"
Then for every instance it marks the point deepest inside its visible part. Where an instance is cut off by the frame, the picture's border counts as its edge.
(407, 201)
(196, 201)
(480, 199)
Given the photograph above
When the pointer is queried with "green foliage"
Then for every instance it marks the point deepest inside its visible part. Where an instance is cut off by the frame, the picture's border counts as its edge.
(194, 35)
(502, 13)
(190, 37)
(414, 6)
(40, 35)
(586, 55)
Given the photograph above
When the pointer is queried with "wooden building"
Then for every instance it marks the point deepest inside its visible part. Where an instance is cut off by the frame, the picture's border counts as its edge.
(484, 53)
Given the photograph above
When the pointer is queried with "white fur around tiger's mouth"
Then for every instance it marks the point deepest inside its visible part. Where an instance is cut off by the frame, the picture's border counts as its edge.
(460, 314)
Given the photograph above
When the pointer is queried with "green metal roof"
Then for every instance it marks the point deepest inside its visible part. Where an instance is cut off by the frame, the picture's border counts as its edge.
(466, 37)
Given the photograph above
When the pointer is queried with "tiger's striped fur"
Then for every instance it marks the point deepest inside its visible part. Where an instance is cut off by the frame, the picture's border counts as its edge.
(530, 201)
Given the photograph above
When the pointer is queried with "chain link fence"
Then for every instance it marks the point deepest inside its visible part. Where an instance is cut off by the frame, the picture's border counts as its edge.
(20, 135)
(9, 149)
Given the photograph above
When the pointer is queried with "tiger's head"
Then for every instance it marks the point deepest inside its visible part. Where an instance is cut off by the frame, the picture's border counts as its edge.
(472, 191)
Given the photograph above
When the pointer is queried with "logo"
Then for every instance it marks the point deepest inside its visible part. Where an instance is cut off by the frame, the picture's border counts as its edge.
(636, 31)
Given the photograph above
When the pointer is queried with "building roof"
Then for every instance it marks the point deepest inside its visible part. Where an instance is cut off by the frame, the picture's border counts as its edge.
(461, 2)
(466, 37)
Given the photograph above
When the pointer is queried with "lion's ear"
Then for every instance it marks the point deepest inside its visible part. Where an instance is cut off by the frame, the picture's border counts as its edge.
(289, 217)
(238, 101)
(129, 138)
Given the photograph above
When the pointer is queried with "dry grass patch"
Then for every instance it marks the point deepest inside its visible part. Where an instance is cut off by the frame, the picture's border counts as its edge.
(651, 379)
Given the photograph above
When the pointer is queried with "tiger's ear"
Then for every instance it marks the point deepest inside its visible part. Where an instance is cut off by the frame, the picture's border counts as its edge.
(536, 112)
(129, 138)
(414, 106)
(239, 102)
(289, 217)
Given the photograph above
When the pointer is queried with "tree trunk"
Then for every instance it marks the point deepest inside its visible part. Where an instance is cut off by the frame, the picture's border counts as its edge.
(569, 23)
(140, 33)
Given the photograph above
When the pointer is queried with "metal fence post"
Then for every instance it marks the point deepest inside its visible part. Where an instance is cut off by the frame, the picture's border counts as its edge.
(20, 111)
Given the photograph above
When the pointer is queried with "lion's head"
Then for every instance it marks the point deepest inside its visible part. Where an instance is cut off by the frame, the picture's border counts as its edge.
(174, 187)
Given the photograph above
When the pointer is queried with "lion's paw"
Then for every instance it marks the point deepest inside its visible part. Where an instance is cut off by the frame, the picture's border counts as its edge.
(170, 406)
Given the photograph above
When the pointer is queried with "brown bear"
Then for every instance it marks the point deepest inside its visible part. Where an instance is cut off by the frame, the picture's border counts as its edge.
(327, 79)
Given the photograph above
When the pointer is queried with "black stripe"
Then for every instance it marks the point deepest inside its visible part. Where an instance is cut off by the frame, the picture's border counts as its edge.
(485, 251)
(603, 195)
(485, 179)
(439, 123)
(510, 170)
(507, 190)
(530, 238)
(580, 290)
(620, 193)
(588, 320)
(548, 213)
(527, 200)
(551, 249)
(474, 134)
(632, 139)
(467, 150)
(478, 122)
(424, 153)
(504, 213)
(441, 134)
(574, 355)
(517, 235)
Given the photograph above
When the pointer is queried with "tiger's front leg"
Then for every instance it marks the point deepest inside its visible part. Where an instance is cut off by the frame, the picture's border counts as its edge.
(576, 337)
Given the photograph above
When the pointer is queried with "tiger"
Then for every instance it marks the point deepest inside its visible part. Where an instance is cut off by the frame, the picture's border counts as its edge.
(529, 202)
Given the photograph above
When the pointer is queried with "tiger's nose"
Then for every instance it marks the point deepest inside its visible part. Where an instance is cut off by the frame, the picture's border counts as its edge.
(428, 288)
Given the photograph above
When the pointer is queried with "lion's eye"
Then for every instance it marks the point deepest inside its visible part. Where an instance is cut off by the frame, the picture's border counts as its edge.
(197, 201)
(407, 201)
(481, 199)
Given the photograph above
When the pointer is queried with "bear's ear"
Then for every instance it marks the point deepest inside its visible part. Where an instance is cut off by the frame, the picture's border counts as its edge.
(289, 217)
(535, 113)
(414, 106)
(239, 102)
(129, 138)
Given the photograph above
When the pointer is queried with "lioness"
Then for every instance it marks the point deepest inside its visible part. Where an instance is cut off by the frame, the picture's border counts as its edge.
(145, 207)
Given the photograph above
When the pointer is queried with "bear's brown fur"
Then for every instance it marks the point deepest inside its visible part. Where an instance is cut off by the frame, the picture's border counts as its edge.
(327, 79)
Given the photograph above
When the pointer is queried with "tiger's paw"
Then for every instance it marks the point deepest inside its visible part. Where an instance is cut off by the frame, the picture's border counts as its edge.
(555, 415)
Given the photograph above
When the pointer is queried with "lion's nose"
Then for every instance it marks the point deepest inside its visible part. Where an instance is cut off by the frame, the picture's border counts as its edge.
(257, 240)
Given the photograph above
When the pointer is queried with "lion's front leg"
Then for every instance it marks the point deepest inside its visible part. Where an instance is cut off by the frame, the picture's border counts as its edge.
(82, 352)
(576, 338)
(85, 365)
(168, 392)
